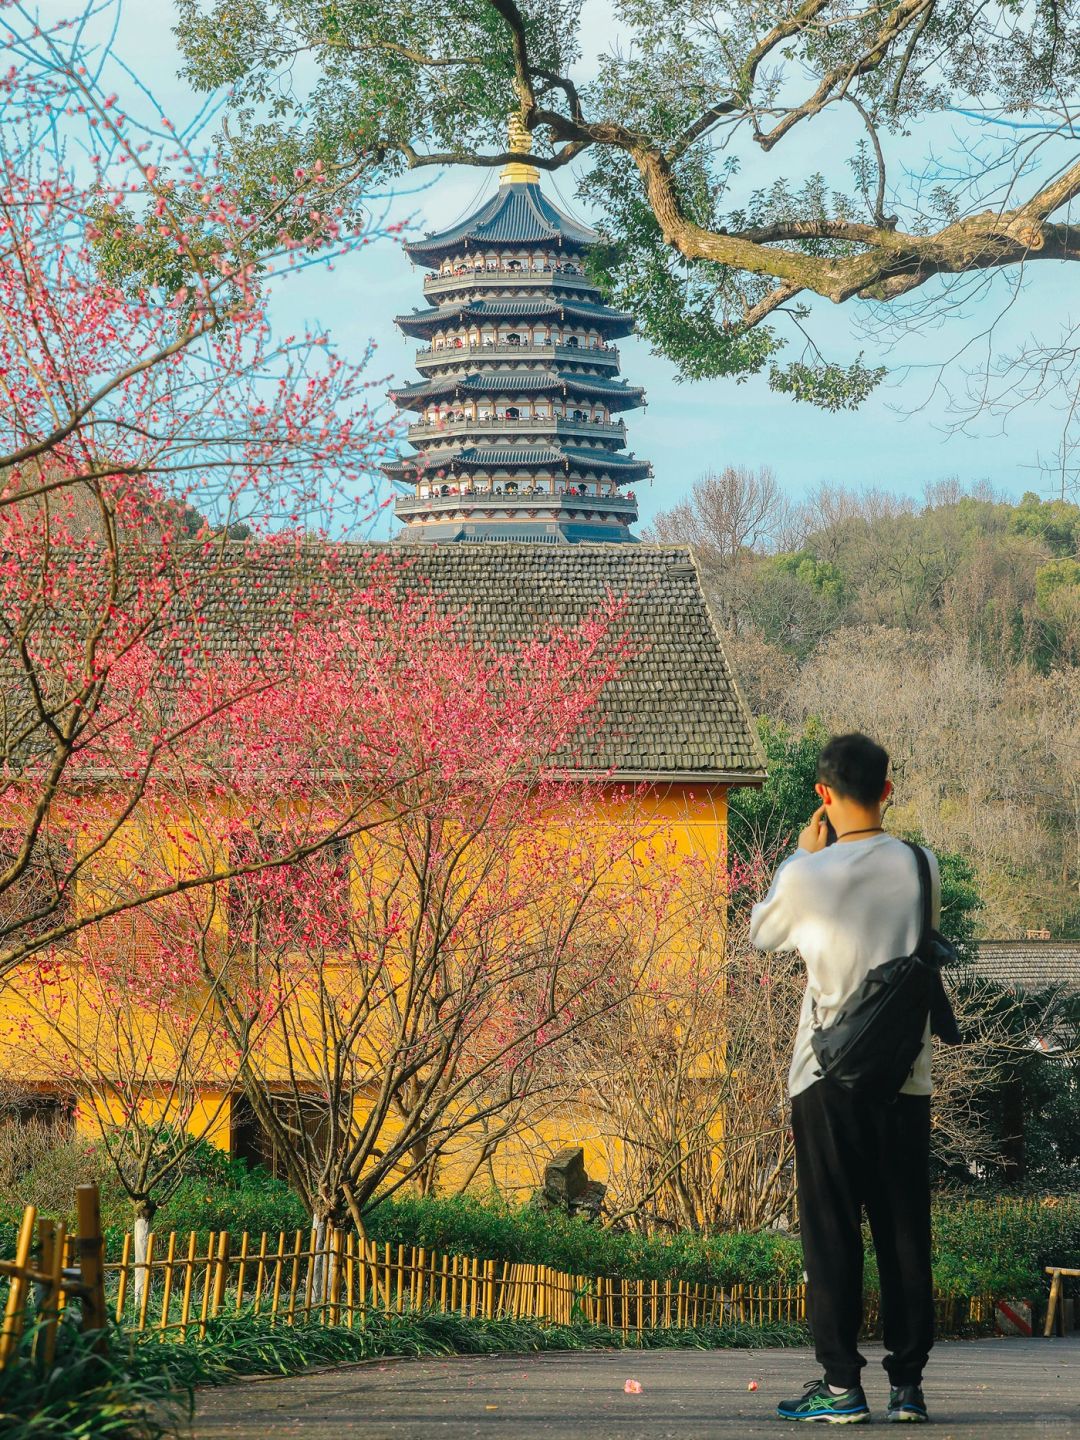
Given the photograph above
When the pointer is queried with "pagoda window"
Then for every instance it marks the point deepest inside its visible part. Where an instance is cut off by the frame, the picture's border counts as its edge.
(572, 341)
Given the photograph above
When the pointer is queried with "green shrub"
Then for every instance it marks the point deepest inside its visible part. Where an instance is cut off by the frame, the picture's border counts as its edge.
(981, 1247)
(87, 1395)
(1002, 1246)
(465, 1225)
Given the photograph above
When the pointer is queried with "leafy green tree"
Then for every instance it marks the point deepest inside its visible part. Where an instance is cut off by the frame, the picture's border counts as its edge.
(768, 820)
(717, 245)
(1056, 523)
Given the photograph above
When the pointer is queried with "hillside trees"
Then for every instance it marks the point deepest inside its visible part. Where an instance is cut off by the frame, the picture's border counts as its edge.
(148, 410)
(944, 629)
(723, 229)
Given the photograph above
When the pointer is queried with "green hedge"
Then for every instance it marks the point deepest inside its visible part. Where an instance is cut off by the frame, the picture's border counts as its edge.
(981, 1247)
(497, 1231)
(997, 1246)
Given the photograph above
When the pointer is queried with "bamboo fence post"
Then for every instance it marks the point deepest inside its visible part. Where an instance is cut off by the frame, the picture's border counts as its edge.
(189, 1280)
(294, 1278)
(207, 1283)
(400, 1278)
(68, 1264)
(312, 1266)
(368, 1293)
(260, 1275)
(336, 1249)
(148, 1275)
(166, 1293)
(121, 1289)
(221, 1272)
(53, 1238)
(350, 1275)
(416, 1288)
(91, 1261)
(445, 1280)
(278, 1267)
(240, 1272)
(46, 1235)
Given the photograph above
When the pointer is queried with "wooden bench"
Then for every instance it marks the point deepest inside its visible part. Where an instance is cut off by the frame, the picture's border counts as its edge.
(1056, 1310)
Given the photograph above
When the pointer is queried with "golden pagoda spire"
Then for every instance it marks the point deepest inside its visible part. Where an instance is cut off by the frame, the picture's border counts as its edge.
(519, 142)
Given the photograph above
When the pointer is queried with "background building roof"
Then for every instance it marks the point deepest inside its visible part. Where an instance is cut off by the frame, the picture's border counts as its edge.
(1029, 964)
(674, 713)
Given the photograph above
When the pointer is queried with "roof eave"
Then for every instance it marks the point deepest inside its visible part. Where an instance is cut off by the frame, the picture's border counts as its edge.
(744, 778)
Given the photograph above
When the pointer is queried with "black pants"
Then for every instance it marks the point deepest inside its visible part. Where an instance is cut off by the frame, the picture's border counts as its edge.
(852, 1153)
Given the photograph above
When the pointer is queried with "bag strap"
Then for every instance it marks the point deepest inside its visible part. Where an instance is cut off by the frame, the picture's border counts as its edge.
(942, 1016)
(926, 895)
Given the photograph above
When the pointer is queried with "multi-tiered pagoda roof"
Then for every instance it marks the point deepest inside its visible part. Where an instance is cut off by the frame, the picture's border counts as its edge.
(518, 432)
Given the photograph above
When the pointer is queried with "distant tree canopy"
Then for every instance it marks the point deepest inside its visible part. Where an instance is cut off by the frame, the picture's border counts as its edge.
(948, 629)
(1004, 575)
(673, 115)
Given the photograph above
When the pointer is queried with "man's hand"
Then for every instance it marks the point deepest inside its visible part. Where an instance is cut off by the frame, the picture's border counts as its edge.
(814, 836)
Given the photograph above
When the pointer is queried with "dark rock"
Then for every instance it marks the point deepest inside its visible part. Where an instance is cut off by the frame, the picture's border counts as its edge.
(567, 1187)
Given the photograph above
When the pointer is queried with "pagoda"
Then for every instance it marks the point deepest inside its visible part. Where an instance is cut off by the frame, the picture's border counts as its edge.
(518, 431)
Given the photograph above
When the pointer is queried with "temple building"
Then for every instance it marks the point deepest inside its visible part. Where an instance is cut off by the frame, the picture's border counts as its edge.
(518, 432)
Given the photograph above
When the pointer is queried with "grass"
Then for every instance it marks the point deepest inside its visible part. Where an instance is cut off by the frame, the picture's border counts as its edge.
(244, 1345)
(142, 1389)
(88, 1396)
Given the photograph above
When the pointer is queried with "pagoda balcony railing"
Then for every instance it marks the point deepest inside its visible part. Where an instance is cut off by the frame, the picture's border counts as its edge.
(607, 355)
(625, 505)
(561, 425)
(538, 280)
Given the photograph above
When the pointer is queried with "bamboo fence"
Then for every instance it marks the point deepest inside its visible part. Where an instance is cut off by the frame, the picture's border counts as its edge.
(182, 1286)
(64, 1268)
(290, 1277)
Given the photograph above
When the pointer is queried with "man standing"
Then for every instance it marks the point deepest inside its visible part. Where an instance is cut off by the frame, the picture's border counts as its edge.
(847, 908)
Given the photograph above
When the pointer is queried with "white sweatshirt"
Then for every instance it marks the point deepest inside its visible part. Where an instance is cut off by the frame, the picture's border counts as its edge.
(845, 909)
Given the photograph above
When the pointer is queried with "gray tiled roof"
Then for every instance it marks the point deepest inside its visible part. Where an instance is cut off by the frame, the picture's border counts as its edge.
(675, 710)
(1029, 964)
(500, 382)
(524, 455)
(517, 214)
(437, 316)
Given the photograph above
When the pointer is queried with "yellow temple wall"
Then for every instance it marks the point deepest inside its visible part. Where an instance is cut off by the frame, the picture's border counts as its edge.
(694, 818)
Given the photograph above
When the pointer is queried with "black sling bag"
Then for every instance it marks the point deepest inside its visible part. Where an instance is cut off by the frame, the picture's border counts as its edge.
(872, 1045)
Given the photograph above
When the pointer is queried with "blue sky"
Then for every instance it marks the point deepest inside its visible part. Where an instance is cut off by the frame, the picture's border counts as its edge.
(901, 439)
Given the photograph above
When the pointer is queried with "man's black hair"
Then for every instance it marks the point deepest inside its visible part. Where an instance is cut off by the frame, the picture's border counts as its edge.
(854, 766)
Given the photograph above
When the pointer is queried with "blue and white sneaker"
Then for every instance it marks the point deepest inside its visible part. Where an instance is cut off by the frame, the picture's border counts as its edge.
(906, 1405)
(819, 1403)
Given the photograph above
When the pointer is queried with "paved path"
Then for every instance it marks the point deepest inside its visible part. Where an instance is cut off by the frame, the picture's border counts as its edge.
(990, 1389)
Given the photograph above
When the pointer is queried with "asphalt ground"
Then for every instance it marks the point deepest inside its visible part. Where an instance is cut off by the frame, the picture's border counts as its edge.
(991, 1389)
